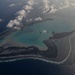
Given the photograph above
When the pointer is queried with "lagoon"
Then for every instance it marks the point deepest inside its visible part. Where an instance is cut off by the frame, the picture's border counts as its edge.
(34, 35)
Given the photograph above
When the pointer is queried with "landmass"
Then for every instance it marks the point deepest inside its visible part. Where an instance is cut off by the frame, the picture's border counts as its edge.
(60, 35)
(51, 52)
(60, 48)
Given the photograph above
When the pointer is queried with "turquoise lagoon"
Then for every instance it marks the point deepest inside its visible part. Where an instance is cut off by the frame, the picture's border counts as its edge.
(31, 35)
(1, 40)
(34, 35)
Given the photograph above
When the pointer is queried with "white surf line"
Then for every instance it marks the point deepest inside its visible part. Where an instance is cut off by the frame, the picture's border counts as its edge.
(54, 62)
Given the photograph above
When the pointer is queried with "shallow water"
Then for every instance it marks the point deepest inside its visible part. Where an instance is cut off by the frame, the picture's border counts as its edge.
(31, 35)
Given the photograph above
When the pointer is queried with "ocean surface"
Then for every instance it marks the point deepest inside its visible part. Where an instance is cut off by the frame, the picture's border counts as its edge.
(32, 67)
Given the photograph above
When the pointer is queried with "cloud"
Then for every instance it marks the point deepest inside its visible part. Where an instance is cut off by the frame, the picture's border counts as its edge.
(22, 14)
(38, 19)
(73, 4)
(30, 20)
(1, 20)
(67, 4)
(12, 5)
(50, 10)
(35, 19)
(45, 5)
(16, 23)
(53, 10)
(47, 8)
(27, 7)
(30, 2)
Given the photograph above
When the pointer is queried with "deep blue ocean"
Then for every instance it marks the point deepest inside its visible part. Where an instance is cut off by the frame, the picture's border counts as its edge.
(32, 67)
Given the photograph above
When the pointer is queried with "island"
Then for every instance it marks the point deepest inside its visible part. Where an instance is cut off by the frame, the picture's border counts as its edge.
(60, 35)
(59, 48)
(12, 52)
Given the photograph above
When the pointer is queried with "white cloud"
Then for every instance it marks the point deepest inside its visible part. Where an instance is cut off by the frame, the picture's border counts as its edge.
(10, 24)
(21, 14)
(27, 7)
(38, 19)
(30, 2)
(67, 4)
(18, 28)
(12, 5)
(31, 20)
(25, 11)
(18, 19)
(73, 4)
(53, 10)
(45, 5)
(1, 20)
(35, 19)
(47, 8)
